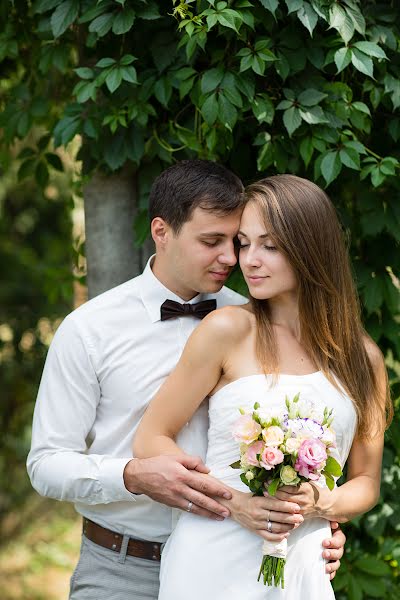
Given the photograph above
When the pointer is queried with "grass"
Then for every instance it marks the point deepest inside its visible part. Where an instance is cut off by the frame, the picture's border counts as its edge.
(37, 561)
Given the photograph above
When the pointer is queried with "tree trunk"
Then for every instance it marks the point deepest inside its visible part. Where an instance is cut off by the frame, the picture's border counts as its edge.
(110, 208)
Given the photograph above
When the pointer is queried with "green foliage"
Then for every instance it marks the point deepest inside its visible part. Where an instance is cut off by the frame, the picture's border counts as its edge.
(35, 292)
(307, 87)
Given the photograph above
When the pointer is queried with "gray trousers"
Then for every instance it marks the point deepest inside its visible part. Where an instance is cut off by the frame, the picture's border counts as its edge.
(103, 574)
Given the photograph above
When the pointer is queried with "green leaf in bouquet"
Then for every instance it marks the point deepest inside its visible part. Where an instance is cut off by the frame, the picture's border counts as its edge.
(330, 482)
(256, 405)
(332, 467)
(273, 487)
(235, 465)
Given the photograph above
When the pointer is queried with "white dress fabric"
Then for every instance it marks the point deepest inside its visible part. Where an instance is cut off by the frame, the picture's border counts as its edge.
(219, 560)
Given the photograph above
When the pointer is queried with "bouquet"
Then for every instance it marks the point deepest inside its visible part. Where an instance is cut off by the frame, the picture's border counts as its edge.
(284, 448)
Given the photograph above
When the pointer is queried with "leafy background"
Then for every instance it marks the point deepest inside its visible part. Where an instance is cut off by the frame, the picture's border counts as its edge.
(264, 86)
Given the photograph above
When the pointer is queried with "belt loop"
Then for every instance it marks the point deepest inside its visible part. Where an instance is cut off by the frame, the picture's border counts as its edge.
(124, 548)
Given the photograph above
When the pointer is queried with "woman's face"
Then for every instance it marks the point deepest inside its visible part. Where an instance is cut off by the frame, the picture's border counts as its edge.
(266, 269)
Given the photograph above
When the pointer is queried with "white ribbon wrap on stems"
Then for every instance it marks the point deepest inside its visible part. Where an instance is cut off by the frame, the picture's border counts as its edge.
(273, 549)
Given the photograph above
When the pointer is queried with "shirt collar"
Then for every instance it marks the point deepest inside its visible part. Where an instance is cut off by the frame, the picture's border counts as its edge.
(154, 293)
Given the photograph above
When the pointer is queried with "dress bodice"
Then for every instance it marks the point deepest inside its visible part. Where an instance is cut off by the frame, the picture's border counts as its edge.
(224, 406)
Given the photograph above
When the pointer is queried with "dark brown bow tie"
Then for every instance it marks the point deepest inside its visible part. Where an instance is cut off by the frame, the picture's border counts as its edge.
(171, 309)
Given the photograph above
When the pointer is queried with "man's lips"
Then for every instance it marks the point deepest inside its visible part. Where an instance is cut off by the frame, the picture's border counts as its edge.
(219, 275)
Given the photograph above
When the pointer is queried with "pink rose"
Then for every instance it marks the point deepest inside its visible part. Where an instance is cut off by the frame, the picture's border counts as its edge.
(311, 456)
(270, 457)
(251, 454)
(246, 429)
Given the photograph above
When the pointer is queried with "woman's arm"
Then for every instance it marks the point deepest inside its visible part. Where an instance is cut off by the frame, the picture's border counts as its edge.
(360, 493)
(195, 376)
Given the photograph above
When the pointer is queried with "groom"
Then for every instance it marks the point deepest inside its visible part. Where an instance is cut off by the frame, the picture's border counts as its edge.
(107, 360)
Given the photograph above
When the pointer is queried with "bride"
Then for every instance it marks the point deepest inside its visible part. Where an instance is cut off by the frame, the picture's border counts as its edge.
(301, 332)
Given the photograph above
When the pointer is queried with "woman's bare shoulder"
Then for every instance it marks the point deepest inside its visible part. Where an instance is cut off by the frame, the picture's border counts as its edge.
(374, 353)
(230, 322)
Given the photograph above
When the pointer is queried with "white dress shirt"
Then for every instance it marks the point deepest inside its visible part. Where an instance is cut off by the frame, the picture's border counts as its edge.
(106, 362)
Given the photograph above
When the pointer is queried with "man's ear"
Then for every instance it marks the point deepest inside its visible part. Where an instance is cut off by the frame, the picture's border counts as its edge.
(160, 231)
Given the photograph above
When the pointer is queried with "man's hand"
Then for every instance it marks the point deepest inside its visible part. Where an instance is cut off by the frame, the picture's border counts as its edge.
(176, 481)
(253, 512)
(334, 548)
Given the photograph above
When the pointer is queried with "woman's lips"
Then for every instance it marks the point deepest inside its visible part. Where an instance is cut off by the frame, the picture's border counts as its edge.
(255, 278)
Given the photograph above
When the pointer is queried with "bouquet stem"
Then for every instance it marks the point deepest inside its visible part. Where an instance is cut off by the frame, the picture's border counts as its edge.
(273, 570)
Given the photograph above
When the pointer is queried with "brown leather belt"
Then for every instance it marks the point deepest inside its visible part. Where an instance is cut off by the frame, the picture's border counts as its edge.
(113, 541)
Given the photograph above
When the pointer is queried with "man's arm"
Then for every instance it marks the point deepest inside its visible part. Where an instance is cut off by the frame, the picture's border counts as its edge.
(65, 411)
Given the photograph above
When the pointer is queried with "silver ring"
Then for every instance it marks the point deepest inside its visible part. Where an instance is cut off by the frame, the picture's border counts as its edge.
(269, 526)
(189, 506)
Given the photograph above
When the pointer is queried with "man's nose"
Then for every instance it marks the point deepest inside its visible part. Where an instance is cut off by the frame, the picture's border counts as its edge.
(229, 256)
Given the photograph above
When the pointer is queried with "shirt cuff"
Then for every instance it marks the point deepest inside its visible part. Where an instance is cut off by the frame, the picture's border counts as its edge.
(111, 477)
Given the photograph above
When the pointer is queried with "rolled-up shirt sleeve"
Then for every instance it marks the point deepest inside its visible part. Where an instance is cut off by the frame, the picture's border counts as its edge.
(58, 463)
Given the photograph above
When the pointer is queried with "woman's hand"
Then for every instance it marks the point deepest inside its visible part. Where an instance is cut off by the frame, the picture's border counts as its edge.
(308, 496)
(255, 512)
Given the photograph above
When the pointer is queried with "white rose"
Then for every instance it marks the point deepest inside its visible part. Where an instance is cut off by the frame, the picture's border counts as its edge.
(265, 416)
(249, 475)
(273, 436)
(292, 445)
(329, 437)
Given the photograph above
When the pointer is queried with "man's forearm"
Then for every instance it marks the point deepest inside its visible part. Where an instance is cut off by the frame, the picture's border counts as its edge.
(76, 477)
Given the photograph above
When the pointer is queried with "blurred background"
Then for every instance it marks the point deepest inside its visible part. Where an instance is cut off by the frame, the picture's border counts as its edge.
(96, 98)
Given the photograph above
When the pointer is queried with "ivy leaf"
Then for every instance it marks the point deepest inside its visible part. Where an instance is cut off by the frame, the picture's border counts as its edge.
(370, 49)
(339, 20)
(227, 113)
(306, 150)
(331, 166)
(270, 5)
(114, 79)
(129, 74)
(84, 73)
(311, 97)
(292, 120)
(163, 90)
(372, 566)
(373, 294)
(209, 109)
(362, 62)
(64, 15)
(54, 161)
(313, 115)
(42, 6)
(293, 5)
(66, 129)
(42, 174)
(392, 87)
(361, 107)
(123, 21)
(263, 109)
(342, 58)
(357, 18)
(307, 15)
(350, 158)
(105, 62)
(211, 79)
(102, 24)
(354, 588)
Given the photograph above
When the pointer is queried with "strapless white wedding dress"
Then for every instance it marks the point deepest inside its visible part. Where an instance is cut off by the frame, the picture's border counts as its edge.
(219, 560)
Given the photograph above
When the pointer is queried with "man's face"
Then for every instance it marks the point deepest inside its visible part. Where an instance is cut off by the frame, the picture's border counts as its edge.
(201, 255)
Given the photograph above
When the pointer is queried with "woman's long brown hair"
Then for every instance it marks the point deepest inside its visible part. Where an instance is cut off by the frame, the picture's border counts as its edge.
(302, 222)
